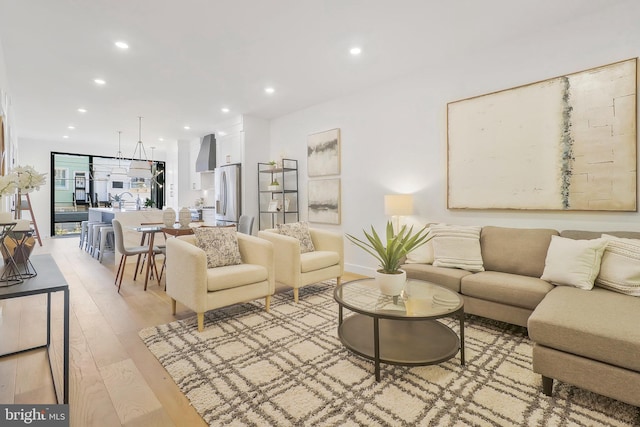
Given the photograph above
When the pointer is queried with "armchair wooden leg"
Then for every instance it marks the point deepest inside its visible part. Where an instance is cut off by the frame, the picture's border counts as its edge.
(267, 303)
(173, 306)
(200, 322)
(339, 280)
(295, 294)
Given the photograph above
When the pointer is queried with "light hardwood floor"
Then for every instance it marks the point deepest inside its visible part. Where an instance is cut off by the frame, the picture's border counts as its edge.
(114, 379)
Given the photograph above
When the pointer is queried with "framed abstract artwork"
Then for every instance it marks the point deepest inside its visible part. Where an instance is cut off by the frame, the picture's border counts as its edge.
(566, 143)
(323, 153)
(324, 201)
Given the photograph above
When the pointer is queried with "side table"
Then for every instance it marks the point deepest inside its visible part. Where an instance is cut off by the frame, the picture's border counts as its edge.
(51, 280)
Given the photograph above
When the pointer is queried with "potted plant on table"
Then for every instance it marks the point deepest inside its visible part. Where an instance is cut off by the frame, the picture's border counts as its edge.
(390, 253)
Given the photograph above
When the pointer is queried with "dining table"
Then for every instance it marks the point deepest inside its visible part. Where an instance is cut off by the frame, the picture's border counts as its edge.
(149, 232)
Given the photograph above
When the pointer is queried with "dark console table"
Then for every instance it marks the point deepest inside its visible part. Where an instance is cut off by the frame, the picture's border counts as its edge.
(49, 280)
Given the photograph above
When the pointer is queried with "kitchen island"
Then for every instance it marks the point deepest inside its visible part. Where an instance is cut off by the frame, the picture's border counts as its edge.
(129, 218)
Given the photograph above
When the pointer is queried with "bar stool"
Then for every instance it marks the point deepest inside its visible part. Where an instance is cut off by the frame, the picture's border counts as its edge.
(83, 233)
(94, 230)
(106, 241)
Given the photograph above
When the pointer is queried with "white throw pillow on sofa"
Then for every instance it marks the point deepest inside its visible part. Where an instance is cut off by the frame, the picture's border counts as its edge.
(620, 267)
(424, 253)
(572, 262)
(457, 246)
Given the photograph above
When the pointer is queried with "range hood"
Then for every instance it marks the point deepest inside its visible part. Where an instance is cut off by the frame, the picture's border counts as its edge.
(206, 161)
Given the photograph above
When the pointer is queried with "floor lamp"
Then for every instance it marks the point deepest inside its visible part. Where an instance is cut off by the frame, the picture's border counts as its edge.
(397, 205)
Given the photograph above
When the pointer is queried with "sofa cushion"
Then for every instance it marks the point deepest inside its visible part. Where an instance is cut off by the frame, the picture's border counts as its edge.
(232, 276)
(620, 266)
(316, 260)
(300, 231)
(220, 244)
(447, 277)
(457, 246)
(423, 254)
(515, 250)
(600, 325)
(506, 288)
(572, 262)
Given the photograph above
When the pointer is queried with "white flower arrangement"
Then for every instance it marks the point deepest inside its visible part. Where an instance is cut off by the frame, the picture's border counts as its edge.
(7, 184)
(28, 179)
(23, 178)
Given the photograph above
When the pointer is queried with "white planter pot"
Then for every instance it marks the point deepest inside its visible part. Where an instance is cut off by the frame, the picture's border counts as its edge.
(391, 284)
(273, 188)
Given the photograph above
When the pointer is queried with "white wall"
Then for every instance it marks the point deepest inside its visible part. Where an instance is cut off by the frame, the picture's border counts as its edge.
(394, 135)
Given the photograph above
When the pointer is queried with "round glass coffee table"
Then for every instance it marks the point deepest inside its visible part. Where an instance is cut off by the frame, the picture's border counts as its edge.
(400, 330)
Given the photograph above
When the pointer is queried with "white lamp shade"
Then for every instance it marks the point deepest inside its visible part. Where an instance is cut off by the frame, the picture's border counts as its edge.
(119, 174)
(398, 204)
(139, 169)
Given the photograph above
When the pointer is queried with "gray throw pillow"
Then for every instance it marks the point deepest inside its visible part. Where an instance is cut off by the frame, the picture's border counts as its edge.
(220, 244)
(300, 231)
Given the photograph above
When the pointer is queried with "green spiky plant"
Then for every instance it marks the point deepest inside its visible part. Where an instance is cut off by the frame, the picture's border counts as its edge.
(396, 248)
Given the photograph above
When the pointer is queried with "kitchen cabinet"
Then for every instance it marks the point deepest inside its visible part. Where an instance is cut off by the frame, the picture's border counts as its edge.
(195, 182)
(229, 148)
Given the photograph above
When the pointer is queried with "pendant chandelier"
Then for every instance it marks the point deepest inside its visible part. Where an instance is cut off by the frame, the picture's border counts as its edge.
(140, 168)
(119, 173)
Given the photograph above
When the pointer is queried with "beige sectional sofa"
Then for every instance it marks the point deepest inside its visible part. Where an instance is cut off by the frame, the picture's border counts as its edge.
(588, 338)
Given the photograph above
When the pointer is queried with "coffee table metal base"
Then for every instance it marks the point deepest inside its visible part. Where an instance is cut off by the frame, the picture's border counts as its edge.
(400, 342)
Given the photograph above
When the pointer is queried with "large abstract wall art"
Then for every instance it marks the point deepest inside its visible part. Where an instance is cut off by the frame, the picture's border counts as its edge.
(567, 143)
(323, 153)
(324, 201)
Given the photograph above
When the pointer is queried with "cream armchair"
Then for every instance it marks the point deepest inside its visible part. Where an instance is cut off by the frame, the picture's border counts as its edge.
(190, 282)
(297, 270)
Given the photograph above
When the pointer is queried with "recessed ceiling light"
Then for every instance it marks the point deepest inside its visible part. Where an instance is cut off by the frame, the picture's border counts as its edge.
(222, 133)
(161, 139)
(355, 51)
(71, 127)
(224, 110)
(99, 82)
(187, 127)
(122, 45)
(65, 136)
(269, 90)
(82, 110)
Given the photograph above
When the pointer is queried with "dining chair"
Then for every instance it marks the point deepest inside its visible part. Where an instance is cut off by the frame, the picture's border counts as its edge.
(126, 251)
(245, 224)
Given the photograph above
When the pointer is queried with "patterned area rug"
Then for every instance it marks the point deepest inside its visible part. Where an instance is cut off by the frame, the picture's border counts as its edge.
(288, 368)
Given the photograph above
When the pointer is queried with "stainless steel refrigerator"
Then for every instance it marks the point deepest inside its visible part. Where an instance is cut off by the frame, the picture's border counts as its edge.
(227, 194)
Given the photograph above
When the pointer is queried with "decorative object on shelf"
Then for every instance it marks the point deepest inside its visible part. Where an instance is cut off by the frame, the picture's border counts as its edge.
(184, 217)
(169, 217)
(140, 168)
(324, 200)
(272, 164)
(119, 173)
(547, 137)
(274, 206)
(390, 253)
(148, 203)
(274, 186)
(323, 153)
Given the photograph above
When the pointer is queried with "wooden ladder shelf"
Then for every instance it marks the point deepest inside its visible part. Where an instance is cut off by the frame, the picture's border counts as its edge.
(20, 206)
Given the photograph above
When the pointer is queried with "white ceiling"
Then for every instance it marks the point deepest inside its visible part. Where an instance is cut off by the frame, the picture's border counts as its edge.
(189, 58)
